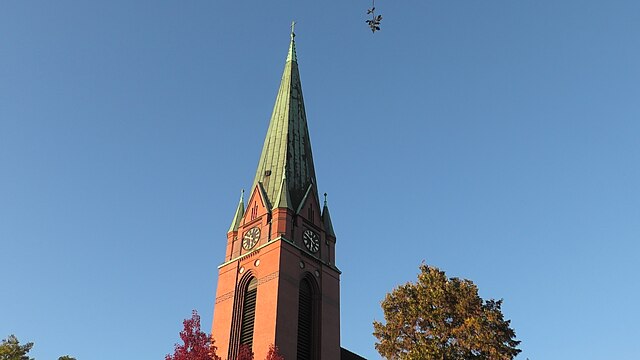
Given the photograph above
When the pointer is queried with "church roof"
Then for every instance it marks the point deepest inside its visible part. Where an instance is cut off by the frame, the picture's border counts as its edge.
(348, 355)
(287, 146)
(237, 217)
(284, 199)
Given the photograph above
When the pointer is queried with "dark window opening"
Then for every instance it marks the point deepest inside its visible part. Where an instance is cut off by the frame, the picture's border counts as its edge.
(249, 313)
(306, 322)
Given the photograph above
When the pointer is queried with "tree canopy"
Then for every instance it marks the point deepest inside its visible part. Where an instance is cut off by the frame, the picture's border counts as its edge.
(245, 353)
(196, 344)
(274, 353)
(440, 318)
(10, 349)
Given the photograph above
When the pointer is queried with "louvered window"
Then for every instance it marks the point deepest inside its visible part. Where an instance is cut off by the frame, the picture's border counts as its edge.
(249, 313)
(305, 321)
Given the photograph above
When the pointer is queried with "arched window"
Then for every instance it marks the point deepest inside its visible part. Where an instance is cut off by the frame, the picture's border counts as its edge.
(244, 316)
(248, 313)
(308, 331)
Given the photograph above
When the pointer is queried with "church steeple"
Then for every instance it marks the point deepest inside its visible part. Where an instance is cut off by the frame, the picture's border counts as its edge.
(287, 146)
(279, 278)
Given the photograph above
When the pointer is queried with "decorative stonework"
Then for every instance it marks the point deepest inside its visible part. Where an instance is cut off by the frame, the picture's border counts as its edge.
(267, 278)
(224, 297)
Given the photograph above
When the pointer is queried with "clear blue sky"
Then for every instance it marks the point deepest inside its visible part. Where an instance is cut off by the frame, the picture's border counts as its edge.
(495, 139)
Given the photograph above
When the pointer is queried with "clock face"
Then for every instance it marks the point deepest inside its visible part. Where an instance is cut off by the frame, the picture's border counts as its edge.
(311, 241)
(251, 238)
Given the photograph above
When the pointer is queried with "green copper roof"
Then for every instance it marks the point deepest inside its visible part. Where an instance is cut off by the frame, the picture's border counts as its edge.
(235, 223)
(287, 144)
(291, 56)
(284, 199)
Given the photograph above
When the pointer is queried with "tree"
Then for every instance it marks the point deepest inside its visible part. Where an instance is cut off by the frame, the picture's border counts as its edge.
(274, 353)
(245, 353)
(197, 345)
(10, 349)
(440, 318)
(66, 357)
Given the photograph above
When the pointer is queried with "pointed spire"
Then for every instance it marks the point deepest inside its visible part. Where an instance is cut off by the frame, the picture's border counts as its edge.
(326, 218)
(284, 199)
(237, 218)
(287, 146)
(291, 56)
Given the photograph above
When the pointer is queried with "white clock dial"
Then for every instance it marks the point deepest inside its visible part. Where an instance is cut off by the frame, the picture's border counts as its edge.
(311, 241)
(251, 238)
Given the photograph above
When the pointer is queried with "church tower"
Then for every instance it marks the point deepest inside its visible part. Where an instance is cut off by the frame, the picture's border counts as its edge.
(279, 283)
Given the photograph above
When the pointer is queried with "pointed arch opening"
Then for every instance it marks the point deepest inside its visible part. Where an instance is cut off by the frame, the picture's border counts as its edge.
(249, 313)
(308, 320)
(244, 316)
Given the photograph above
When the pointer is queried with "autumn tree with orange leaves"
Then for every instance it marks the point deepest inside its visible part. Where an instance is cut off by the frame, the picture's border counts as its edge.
(439, 318)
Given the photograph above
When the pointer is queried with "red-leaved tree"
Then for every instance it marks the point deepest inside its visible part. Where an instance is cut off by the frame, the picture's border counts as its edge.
(245, 353)
(274, 353)
(197, 345)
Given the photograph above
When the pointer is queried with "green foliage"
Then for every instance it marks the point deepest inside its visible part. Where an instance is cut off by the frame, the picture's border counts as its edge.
(438, 318)
(10, 349)
(66, 357)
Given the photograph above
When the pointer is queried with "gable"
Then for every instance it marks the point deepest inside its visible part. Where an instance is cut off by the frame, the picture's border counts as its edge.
(309, 207)
(256, 206)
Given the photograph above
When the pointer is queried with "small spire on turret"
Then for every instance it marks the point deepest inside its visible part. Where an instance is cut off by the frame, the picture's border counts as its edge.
(237, 217)
(326, 219)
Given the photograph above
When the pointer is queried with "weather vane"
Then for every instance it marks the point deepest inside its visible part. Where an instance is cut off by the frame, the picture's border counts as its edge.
(374, 22)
